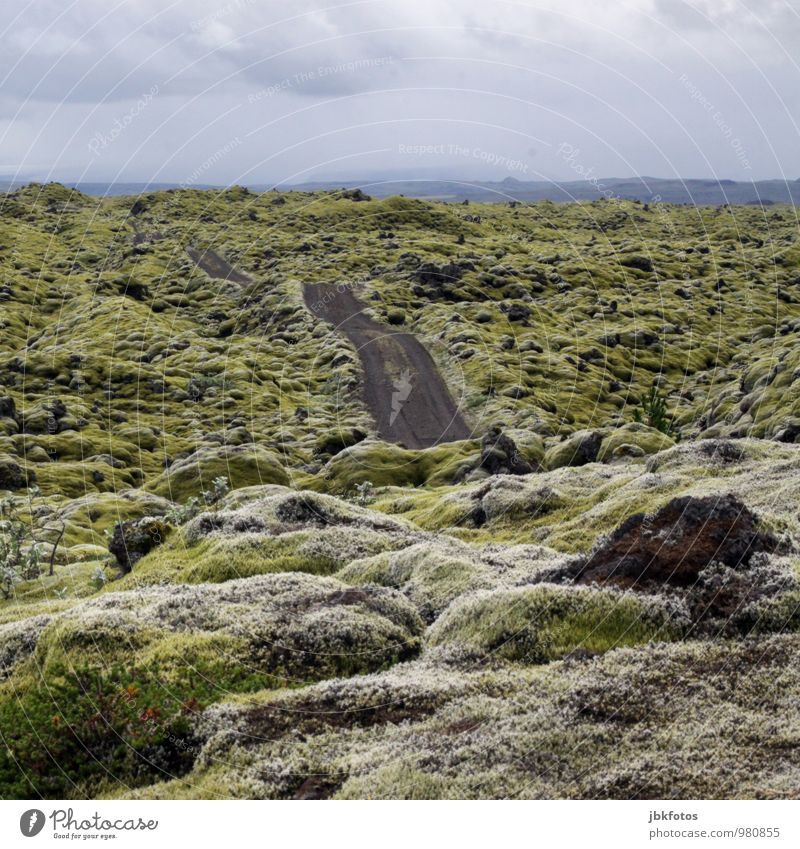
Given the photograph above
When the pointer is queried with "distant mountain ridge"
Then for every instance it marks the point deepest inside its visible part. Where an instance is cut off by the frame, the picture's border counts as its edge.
(700, 192)
(644, 189)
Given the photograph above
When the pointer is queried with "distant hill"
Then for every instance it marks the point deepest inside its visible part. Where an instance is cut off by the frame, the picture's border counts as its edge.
(644, 189)
(107, 189)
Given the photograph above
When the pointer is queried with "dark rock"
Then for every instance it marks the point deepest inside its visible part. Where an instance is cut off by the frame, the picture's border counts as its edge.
(516, 312)
(8, 409)
(507, 343)
(133, 539)
(610, 340)
(429, 272)
(673, 545)
(591, 355)
(640, 263)
(332, 443)
(134, 289)
(58, 408)
(12, 475)
(500, 455)
(580, 448)
(407, 262)
(722, 451)
(354, 195)
(789, 433)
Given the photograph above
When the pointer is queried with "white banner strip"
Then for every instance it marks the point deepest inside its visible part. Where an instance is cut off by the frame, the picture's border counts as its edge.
(588, 825)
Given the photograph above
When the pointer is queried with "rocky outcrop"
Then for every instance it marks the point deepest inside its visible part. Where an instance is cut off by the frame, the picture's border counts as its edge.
(577, 450)
(133, 539)
(674, 544)
(500, 455)
(12, 475)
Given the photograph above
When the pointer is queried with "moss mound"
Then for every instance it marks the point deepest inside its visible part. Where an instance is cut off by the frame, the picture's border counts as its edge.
(81, 693)
(543, 623)
(382, 464)
(241, 465)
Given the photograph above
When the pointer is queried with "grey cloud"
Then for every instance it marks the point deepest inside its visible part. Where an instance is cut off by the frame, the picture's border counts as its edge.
(329, 86)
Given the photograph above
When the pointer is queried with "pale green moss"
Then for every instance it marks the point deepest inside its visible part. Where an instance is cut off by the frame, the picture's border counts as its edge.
(617, 444)
(544, 622)
(241, 466)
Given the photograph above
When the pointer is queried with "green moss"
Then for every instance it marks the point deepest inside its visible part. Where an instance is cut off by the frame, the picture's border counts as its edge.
(577, 450)
(220, 559)
(131, 379)
(130, 723)
(70, 582)
(383, 464)
(431, 575)
(633, 440)
(541, 623)
(122, 677)
(240, 465)
(398, 781)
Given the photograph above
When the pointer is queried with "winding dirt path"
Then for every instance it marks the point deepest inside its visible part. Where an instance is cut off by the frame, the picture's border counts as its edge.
(215, 266)
(403, 389)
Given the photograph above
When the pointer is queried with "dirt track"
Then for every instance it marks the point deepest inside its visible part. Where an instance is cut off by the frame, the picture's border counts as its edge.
(402, 388)
(215, 266)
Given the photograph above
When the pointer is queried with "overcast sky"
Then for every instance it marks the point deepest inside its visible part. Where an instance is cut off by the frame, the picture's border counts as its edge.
(252, 91)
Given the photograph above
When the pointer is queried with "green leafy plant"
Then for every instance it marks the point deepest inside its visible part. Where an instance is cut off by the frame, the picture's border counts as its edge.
(653, 412)
(364, 493)
(20, 551)
(220, 487)
(182, 513)
(20, 558)
(98, 578)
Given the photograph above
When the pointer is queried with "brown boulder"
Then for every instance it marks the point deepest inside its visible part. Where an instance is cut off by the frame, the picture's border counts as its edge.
(674, 544)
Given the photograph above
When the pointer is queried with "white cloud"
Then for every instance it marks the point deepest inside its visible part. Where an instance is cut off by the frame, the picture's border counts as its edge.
(601, 76)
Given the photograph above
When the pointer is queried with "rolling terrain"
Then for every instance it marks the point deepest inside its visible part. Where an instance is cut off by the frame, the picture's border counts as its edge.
(309, 494)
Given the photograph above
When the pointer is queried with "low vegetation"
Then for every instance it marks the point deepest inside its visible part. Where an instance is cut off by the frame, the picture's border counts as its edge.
(217, 581)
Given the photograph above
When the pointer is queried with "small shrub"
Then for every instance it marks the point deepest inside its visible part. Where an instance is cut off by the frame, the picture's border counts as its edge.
(182, 513)
(220, 487)
(98, 578)
(364, 493)
(653, 413)
(20, 558)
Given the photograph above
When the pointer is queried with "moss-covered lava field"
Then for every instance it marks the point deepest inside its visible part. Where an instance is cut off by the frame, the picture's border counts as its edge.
(313, 495)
